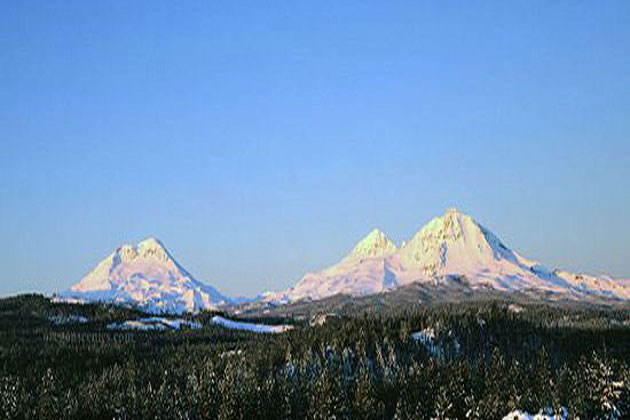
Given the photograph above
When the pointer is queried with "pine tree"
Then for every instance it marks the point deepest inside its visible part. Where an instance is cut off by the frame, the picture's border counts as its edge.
(131, 397)
(321, 404)
(544, 386)
(459, 388)
(405, 405)
(192, 397)
(365, 402)
(70, 406)
(596, 392)
(624, 403)
(493, 405)
(48, 407)
(148, 402)
(9, 399)
(514, 384)
(607, 389)
(443, 405)
(208, 393)
(231, 406)
(169, 398)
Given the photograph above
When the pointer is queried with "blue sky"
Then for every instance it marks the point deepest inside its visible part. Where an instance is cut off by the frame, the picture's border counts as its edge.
(259, 140)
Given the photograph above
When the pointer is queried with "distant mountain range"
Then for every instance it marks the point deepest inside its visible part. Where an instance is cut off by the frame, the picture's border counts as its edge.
(451, 246)
(450, 249)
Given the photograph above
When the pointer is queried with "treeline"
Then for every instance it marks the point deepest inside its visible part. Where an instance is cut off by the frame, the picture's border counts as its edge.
(368, 366)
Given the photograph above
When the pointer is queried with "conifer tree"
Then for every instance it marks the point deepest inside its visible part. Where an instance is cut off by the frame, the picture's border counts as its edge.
(208, 393)
(9, 400)
(192, 397)
(444, 409)
(544, 386)
(365, 402)
(321, 404)
(48, 403)
(493, 405)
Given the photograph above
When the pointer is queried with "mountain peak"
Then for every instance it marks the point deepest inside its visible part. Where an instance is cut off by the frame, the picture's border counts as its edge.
(450, 225)
(146, 275)
(375, 235)
(362, 272)
(375, 244)
(153, 247)
(456, 244)
(452, 246)
(453, 211)
(151, 243)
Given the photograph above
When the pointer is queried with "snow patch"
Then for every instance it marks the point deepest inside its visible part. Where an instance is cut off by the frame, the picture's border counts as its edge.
(154, 324)
(318, 320)
(67, 319)
(249, 326)
(427, 338)
(546, 414)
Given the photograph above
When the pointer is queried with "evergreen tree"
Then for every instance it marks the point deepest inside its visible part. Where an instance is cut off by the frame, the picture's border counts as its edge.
(606, 389)
(9, 398)
(48, 407)
(365, 401)
(70, 406)
(444, 408)
(208, 393)
(544, 387)
(149, 403)
(192, 397)
(493, 405)
(322, 400)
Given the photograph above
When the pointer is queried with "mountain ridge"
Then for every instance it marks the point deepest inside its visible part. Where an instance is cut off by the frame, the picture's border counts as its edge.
(451, 250)
(451, 245)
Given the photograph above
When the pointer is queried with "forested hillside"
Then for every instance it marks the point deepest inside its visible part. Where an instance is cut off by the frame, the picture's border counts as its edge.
(473, 360)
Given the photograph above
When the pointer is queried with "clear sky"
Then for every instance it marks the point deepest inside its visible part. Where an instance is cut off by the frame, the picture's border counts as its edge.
(259, 140)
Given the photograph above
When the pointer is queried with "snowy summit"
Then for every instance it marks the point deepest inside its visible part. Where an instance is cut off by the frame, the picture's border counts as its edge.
(145, 275)
(451, 245)
(363, 272)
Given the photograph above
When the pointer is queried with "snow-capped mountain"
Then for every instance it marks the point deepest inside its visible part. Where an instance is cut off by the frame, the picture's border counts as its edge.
(452, 245)
(362, 272)
(148, 276)
(456, 245)
(603, 285)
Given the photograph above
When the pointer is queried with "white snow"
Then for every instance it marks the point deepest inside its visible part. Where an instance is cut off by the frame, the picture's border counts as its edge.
(600, 285)
(453, 244)
(154, 323)
(148, 276)
(248, 326)
(375, 244)
(67, 319)
(66, 299)
(232, 353)
(318, 320)
(546, 414)
(362, 272)
(427, 338)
